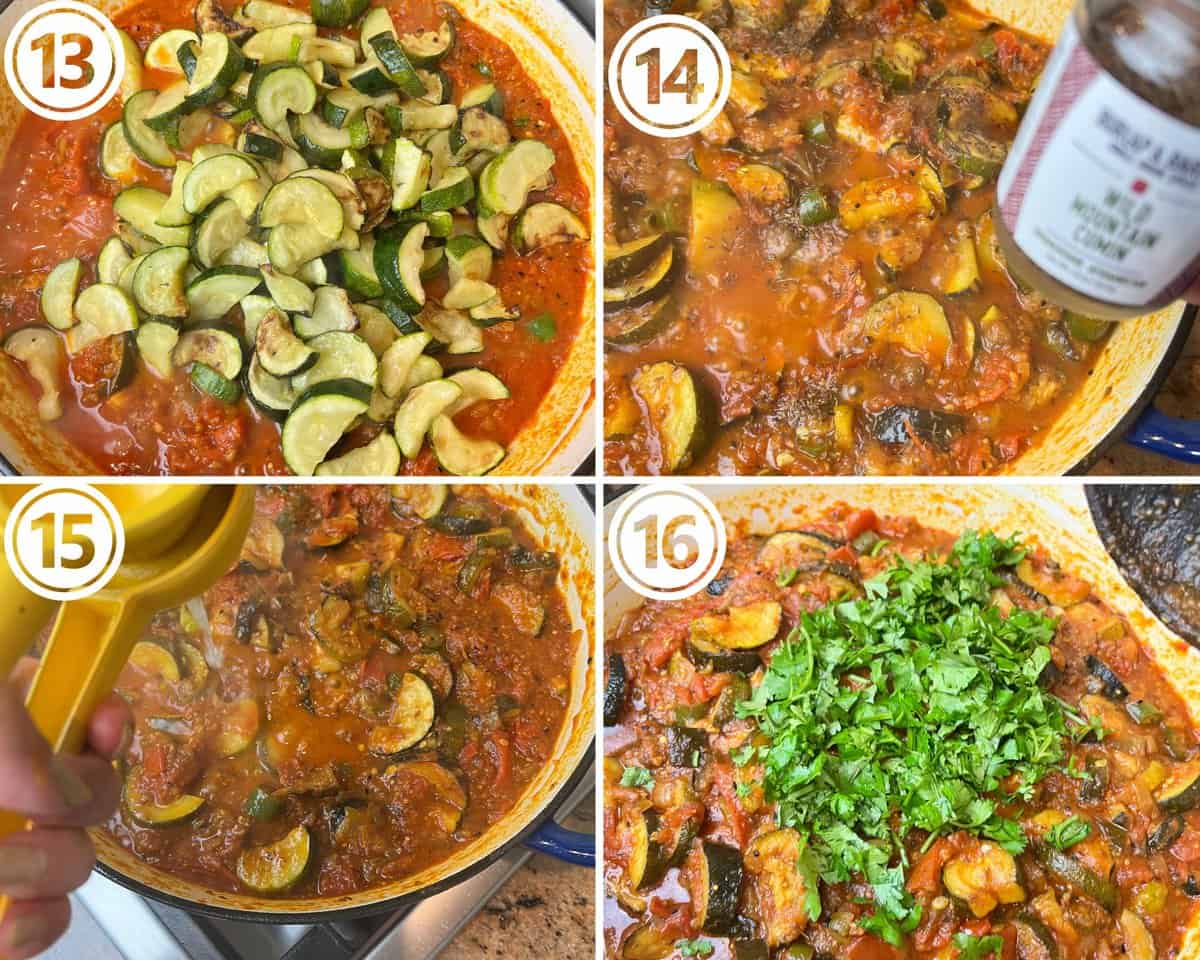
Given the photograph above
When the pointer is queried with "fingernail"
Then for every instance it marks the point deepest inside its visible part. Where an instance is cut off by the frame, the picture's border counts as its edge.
(27, 930)
(19, 864)
(73, 790)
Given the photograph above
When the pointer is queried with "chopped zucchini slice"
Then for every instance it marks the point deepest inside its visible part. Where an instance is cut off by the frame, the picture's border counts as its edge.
(163, 52)
(214, 177)
(280, 352)
(273, 395)
(113, 259)
(418, 411)
(425, 48)
(217, 349)
(277, 866)
(410, 720)
(218, 65)
(318, 420)
(913, 321)
(379, 458)
(460, 455)
(146, 142)
(543, 224)
(289, 293)
(117, 159)
(674, 406)
(212, 294)
(340, 356)
(59, 293)
(507, 180)
(150, 814)
(331, 312)
(156, 340)
(739, 628)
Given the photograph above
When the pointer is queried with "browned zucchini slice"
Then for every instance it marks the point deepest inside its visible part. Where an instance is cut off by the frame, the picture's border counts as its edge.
(720, 870)
(623, 261)
(913, 321)
(277, 866)
(675, 408)
(637, 324)
(1180, 792)
(771, 863)
(740, 628)
(649, 284)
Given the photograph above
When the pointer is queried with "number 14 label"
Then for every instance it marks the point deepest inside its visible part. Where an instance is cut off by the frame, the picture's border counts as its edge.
(669, 76)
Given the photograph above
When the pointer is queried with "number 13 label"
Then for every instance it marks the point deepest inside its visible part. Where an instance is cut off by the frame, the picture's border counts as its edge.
(64, 60)
(669, 76)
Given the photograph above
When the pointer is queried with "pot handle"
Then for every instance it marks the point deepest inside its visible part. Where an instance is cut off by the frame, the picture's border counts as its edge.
(1173, 437)
(570, 846)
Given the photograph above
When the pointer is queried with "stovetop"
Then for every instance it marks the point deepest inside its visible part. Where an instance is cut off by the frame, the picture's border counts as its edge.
(109, 922)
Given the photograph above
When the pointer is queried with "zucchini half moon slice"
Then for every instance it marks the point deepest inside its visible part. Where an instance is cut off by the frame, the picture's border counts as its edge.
(151, 814)
(651, 283)
(277, 866)
(379, 458)
(459, 454)
(319, 419)
(410, 720)
(676, 410)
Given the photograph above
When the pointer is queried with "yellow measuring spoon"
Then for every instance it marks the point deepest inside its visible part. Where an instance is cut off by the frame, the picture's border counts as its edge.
(180, 539)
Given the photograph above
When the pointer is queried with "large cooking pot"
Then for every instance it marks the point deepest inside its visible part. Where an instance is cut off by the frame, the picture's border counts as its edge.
(1055, 517)
(559, 519)
(558, 52)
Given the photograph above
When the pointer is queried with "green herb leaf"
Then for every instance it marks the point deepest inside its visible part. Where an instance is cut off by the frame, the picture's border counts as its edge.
(1068, 833)
(637, 777)
(785, 577)
(694, 948)
(915, 707)
(543, 327)
(971, 947)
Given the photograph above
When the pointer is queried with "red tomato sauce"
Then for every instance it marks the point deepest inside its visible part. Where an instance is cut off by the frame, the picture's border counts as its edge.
(57, 204)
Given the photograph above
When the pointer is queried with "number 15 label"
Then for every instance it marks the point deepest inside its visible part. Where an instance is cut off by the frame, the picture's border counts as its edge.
(669, 76)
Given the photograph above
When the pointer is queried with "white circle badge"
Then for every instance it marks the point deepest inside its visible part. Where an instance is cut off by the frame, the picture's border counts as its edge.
(64, 60)
(669, 76)
(666, 541)
(64, 542)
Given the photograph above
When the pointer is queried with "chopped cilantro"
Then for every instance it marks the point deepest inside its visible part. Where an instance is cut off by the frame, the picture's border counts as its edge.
(914, 707)
(543, 327)
(637, 777)
(694, 948)
(1068, 833)
(971, 947)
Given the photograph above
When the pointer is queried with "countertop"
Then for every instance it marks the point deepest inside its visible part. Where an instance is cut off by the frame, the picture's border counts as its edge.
(1180, 396)
(546, 911)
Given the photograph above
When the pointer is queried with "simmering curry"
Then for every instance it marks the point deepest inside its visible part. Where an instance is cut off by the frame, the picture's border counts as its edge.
(371, 689)
(811, 285)
(870, 740)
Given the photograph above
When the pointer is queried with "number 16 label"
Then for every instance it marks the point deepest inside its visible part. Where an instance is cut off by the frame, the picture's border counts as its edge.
(669, 76)
(666, 541)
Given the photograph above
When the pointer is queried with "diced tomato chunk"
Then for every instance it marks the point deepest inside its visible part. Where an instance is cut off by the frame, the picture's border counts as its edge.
(859, 522)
